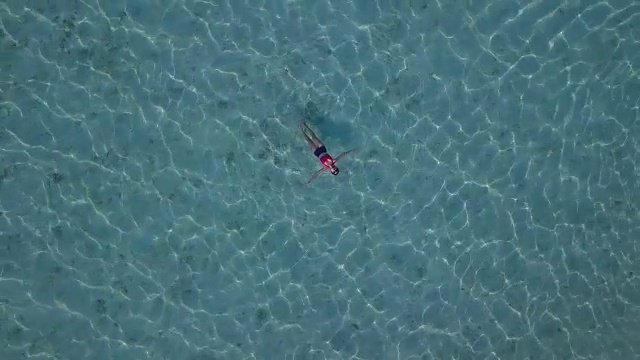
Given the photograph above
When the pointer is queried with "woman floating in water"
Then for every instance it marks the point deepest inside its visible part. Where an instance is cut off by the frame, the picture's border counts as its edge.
(319, 150)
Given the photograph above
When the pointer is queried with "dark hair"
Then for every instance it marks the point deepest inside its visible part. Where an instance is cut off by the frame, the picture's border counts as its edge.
(335, 170)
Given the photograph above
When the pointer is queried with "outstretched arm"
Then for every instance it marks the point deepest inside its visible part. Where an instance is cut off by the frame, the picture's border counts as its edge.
(315, 175)
(343, 154)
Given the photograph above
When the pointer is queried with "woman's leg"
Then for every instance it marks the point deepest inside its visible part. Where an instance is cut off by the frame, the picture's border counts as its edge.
(311, 136)
(308, 138)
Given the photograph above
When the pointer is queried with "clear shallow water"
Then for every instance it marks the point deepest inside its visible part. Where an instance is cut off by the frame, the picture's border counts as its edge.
(152, 190)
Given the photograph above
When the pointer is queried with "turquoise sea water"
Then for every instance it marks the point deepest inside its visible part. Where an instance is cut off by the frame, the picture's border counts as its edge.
(153, 202)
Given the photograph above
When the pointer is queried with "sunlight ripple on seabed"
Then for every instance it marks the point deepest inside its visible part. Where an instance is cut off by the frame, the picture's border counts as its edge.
(153, 202)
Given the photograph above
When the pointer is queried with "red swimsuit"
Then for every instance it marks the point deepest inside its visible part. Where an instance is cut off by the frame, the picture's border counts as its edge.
(326, 160)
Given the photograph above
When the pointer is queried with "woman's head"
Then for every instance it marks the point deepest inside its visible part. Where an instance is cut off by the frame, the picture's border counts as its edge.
(334, 170)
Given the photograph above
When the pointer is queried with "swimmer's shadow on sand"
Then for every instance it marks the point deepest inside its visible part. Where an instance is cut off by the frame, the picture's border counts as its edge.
(328, 127)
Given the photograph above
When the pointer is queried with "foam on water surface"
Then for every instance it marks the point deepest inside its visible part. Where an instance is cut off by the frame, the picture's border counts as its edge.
(152, 196)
